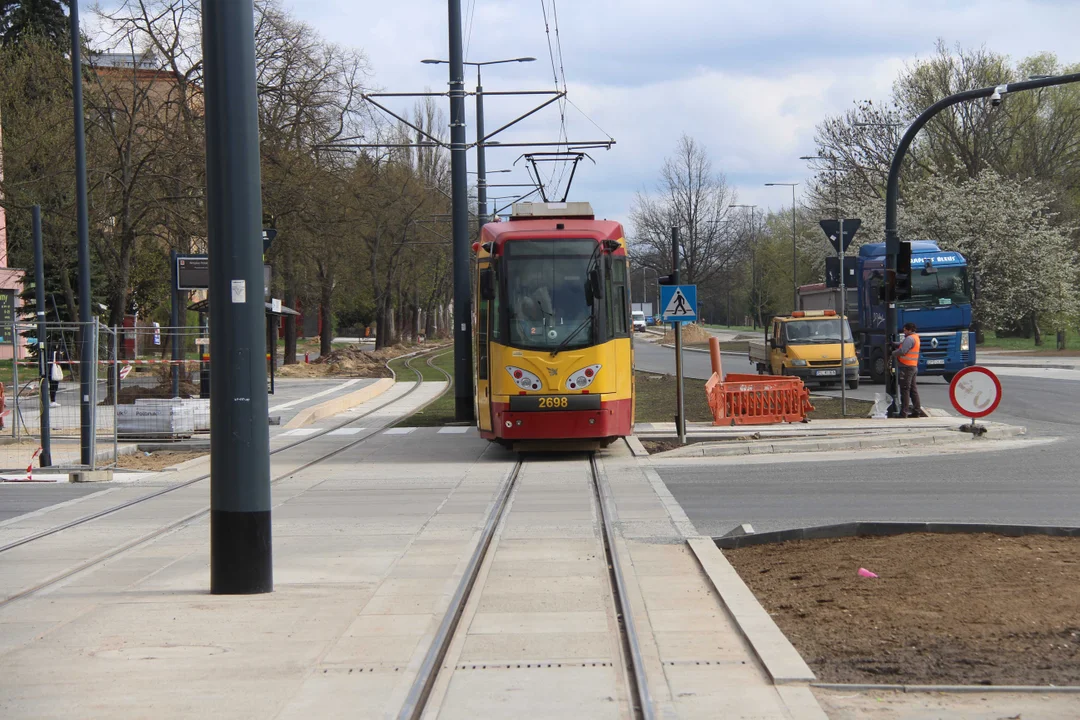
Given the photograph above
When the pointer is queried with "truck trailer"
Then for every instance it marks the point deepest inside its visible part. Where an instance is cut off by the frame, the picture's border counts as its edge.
(939, 305)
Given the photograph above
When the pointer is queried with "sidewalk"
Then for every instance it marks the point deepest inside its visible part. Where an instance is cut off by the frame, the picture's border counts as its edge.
(369, 546)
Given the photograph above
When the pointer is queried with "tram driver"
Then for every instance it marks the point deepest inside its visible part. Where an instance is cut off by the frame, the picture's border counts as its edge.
(532, 307)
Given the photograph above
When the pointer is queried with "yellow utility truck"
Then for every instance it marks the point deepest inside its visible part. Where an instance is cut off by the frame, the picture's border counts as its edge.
(806, 344)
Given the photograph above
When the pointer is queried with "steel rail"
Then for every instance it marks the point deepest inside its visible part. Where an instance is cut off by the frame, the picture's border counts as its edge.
(420, 690)
(631, 645)
(193, 516)
(135, 501)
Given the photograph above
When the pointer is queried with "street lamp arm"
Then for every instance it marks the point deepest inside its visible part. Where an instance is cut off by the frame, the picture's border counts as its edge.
(892, 189)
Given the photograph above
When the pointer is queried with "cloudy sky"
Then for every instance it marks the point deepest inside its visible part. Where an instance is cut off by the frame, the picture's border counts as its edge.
(749, 80)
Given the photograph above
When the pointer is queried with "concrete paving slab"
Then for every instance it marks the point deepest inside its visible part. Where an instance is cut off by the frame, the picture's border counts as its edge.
(582, 692)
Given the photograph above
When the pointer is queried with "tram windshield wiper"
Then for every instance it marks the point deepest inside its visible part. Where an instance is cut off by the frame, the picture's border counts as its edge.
(571, 336)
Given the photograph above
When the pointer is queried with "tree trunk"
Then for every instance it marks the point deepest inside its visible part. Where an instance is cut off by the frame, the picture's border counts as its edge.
(1037, 330)
(429, 322)
(290, 320)
(326, 316)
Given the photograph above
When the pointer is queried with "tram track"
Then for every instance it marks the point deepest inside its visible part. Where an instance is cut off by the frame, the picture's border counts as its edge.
(124, 547)
(433, 669)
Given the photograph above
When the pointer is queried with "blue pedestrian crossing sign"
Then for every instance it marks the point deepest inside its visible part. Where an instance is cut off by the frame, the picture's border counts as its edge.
(679, 303)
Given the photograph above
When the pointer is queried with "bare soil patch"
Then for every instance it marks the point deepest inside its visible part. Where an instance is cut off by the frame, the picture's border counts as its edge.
(156, 460)
(975, 609)
(349, 361)
(131, 393)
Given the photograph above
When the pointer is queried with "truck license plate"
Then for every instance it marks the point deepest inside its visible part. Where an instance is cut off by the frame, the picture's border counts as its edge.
(822, 373)
(935, 362)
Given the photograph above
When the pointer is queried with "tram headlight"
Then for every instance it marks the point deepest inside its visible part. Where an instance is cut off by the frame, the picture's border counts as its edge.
(523, 378)
(582, 378)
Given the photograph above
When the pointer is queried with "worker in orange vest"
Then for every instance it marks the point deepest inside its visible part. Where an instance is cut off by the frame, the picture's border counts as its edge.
(907, 356)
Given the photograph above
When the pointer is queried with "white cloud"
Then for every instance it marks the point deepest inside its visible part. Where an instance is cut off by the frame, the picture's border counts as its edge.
(748, 80)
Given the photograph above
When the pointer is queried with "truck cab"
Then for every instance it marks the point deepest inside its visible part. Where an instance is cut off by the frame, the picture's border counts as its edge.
(807, 345)
(939, 305)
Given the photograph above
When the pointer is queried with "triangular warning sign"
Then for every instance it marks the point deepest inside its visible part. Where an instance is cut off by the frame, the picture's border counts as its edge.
(678, 305)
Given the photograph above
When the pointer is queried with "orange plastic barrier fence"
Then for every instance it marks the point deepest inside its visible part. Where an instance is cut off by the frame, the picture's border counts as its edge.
(757, 399)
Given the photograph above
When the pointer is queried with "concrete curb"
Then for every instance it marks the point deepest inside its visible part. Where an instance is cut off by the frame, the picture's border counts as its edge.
(339, 404)
(952, 688)
(636, 448)
(883, 529)
(180, 467)
(910, 439)
(777, 655)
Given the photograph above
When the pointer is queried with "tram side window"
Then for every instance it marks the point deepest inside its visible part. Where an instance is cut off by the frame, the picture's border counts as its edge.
(618, 305)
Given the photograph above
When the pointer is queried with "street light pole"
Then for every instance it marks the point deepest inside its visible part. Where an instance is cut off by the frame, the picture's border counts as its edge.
(644, 291)
(794, 252)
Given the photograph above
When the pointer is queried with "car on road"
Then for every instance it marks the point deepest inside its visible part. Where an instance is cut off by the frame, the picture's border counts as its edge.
(638, 319)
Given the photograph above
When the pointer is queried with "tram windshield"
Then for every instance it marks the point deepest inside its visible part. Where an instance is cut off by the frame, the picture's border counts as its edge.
(547, 293)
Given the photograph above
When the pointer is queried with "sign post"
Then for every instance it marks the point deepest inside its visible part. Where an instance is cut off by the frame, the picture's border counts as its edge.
(679, 303)
(975, 392)
(841, 238)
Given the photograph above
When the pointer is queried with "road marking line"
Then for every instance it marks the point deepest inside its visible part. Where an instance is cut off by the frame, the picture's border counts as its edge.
(346, 431)
(300, 432)
(399, 431)
(454, 430)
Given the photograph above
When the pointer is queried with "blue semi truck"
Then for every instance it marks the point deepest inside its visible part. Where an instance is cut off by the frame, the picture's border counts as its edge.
(940, 307)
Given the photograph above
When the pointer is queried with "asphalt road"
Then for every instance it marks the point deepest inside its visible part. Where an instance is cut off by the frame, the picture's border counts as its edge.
(1027, 484)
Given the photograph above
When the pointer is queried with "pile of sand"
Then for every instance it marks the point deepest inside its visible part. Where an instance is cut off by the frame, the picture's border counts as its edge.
(691, 333)
(346, 362)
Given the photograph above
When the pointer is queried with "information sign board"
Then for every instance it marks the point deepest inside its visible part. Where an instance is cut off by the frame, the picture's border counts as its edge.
(192, 272)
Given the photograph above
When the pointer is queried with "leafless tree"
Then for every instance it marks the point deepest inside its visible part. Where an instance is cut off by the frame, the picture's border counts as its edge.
(694, 197)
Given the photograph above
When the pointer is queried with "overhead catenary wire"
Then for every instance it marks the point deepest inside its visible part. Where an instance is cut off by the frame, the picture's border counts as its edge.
(469, 27)
(556, 66)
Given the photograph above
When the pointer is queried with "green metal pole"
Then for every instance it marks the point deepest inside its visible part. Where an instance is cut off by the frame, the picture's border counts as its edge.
(240, 542)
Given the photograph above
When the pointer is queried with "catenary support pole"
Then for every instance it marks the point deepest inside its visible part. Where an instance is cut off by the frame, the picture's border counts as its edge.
(87, 361)
(481, 159)
(44, 370)
(680, 410)
(463, 381)
(240, 543)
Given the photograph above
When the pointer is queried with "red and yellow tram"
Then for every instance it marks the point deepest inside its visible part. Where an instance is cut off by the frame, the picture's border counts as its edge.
(554, 356)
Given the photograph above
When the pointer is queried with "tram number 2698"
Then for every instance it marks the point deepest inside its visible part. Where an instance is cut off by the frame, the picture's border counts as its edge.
(548, 403)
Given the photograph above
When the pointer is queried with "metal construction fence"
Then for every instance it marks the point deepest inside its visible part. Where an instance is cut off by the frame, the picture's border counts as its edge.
(140, 392)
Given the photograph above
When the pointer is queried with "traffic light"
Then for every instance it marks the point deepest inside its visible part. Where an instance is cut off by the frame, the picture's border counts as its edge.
(667, 280)
(903, 271)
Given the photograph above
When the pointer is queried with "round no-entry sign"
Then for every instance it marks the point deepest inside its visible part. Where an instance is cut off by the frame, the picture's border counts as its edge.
(975, 392)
